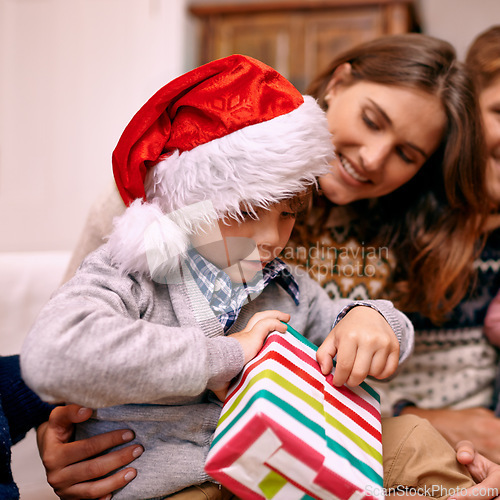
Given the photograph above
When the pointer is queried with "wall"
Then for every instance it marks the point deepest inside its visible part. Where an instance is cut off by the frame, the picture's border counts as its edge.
(72, 73)
(458, 21)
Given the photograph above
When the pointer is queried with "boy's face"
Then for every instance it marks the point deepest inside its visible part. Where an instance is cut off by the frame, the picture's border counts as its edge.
(242, 249)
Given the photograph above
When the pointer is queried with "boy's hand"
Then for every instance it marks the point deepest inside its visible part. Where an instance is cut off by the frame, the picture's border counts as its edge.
(364, 344)
(252, 338)
(71, 469)
(260, 325)
(485, 472)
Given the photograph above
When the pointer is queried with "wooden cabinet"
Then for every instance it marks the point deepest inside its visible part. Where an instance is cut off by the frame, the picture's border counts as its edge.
(297, 38)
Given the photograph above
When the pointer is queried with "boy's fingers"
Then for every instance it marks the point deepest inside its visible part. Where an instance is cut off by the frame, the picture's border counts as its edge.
(379, 364)
(391, 365)
(346, 356)
(271, 314)
(485, 490)
(324, 356)
(360, 369)
(465, 452)
(265, 326)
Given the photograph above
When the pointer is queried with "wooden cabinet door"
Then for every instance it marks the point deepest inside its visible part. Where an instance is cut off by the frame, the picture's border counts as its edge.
(297, 39)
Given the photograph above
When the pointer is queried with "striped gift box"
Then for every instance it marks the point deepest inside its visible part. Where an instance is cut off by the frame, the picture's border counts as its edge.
(287, 433)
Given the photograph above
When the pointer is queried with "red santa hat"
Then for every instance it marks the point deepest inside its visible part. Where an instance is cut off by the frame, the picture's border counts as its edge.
(231, 132)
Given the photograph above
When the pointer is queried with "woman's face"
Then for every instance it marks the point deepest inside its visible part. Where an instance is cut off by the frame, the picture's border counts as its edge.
(382, 136)
(489, 101)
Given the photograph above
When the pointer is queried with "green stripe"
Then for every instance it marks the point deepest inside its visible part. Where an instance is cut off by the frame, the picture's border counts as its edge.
(270, 374)
(372, 392)
(367, 448)
(301, 338)
(318, 429)
(272, 484)
(310, 401)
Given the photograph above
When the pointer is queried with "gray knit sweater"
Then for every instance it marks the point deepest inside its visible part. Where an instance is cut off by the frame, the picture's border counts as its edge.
(147, 355)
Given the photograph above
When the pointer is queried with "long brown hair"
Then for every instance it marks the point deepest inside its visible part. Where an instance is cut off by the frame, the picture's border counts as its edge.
(433, 222)
(483, 57)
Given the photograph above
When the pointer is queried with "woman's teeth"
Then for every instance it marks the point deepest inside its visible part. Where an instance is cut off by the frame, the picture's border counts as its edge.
(348, 168)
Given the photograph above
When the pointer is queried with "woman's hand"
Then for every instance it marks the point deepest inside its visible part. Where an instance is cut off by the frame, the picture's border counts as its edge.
(71, 469)
(364, 344)
(477, 425)
(485, 472)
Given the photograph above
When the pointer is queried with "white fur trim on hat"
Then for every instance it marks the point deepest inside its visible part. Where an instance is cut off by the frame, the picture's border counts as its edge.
(258, 165)
(148, 241)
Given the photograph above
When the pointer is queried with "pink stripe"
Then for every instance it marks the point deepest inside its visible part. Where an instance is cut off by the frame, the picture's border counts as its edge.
(238, 445)
(240, 490)
(338, 485)
(348, 393)
(278, 357)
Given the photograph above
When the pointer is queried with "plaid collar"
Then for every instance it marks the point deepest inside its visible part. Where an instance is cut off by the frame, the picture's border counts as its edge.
(227, 298)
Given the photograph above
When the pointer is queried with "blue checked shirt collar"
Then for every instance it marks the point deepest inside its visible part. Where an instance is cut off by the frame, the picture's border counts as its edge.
(227, 298)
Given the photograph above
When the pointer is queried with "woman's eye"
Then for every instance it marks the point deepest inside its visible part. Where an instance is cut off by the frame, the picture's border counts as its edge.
(404, 157)
(288, 215)
(369, 122)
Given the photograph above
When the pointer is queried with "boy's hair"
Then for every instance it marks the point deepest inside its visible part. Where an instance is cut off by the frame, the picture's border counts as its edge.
(232, 131)
(298, 204)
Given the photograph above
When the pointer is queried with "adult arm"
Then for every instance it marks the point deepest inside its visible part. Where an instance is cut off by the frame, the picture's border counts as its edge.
(22, 408)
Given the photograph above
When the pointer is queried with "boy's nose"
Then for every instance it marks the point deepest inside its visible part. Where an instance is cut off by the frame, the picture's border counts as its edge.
(267, 235)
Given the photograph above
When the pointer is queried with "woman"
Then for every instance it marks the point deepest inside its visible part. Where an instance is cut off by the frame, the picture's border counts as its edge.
(404, 121)
(463, 364)
(408, 172)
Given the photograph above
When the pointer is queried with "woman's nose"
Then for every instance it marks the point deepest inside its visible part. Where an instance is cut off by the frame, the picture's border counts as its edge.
(374, 156)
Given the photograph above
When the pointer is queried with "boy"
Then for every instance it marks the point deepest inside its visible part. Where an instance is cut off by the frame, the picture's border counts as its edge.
(214, 168)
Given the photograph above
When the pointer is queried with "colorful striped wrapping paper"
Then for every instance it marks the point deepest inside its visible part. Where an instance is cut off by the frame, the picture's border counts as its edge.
(287, 433)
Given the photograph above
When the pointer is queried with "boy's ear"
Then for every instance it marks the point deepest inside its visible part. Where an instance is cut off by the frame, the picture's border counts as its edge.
(341, 76)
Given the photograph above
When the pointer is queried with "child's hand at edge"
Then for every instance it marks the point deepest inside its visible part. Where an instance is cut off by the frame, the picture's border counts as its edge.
(252, 338)
(364, 344)
(485, 472)
(492, 321)
(71, 469)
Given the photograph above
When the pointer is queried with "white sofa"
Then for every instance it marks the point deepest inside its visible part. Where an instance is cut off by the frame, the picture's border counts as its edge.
(27, 279)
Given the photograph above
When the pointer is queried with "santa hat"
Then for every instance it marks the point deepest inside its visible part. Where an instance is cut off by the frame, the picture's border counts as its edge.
(231, 132)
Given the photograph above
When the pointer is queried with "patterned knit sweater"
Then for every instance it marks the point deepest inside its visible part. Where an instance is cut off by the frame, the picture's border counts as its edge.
(453, 365)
